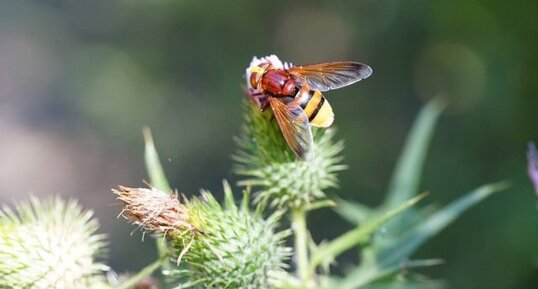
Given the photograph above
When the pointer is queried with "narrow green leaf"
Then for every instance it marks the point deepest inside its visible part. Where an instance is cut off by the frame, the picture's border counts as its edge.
(157, 179)
(403, 248)
(156, 174)
(395, 258)
(406, 178)
(352, 212)
(364, 276)
(359, 235)
(367, 275)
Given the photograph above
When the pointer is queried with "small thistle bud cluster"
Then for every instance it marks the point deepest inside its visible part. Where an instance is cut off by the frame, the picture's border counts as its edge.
(225, 246)
(267, 164)
(50, 244)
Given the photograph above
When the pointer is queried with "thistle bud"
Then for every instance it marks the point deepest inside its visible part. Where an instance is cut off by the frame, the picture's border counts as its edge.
(50, 244)
(268, 165)
(223, 246)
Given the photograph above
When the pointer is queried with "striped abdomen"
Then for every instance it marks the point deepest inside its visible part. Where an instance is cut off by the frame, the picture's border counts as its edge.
(316, 107)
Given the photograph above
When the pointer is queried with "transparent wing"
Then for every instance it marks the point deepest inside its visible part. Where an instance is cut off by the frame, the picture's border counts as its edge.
(294, 125)
(332, 75)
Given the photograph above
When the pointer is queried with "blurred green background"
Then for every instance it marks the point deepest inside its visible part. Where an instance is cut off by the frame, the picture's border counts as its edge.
(79, 79)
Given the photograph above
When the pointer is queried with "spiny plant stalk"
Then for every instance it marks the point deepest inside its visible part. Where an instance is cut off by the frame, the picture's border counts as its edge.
(281, 179)
(225, 246)
(50, 244)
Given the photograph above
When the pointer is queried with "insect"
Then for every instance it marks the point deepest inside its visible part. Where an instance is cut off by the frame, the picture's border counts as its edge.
(294, 93)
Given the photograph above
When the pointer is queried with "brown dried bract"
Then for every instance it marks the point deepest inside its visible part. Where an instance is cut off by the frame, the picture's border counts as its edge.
(154, 210)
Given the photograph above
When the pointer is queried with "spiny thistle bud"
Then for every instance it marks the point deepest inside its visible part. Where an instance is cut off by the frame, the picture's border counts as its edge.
(225, 247)
(50, 244)
(267, 163)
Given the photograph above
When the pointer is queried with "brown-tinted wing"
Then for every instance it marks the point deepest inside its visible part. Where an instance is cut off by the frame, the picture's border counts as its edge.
(332, 75)
(294, 125)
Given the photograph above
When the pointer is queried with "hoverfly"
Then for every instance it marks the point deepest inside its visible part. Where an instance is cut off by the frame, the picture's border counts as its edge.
(294, 93)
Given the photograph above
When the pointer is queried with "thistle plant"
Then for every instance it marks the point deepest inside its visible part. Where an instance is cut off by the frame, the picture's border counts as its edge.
(50, 244)
(209, 245)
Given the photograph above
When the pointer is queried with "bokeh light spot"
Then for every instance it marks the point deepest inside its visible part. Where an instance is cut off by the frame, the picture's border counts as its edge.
(453, 71)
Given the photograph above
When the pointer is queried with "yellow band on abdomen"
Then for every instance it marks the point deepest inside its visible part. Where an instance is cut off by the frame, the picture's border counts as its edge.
(324, 117)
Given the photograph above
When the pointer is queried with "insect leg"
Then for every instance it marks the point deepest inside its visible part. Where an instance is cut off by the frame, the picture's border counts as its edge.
(258, 97)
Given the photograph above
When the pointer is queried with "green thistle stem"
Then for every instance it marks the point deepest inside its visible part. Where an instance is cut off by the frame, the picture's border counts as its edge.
(301, 245)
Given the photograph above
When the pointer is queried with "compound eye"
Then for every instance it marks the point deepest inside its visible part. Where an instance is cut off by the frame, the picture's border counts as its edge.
(254, 79)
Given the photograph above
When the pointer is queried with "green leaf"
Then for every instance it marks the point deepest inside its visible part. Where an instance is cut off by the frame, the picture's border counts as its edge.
(359, 235)
(158, 180)
(352, 212)
(405, 181)
(156, 174)
(404, 247)
(395, 257)
(368, 275)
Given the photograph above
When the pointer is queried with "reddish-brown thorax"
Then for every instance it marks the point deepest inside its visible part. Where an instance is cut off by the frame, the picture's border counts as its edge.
(278, 83)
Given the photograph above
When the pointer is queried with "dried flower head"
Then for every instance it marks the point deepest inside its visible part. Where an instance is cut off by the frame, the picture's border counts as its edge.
(153, 210)
(50, 244)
